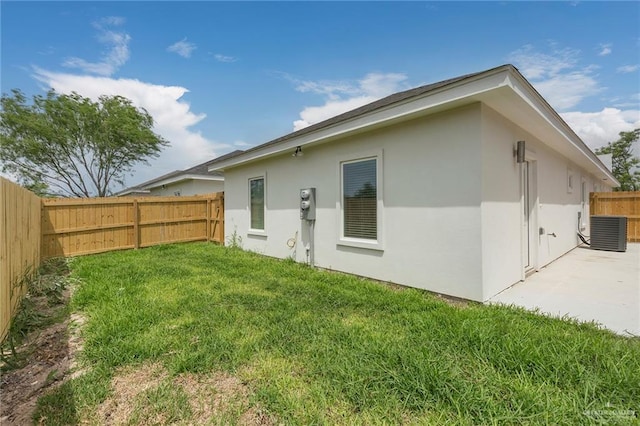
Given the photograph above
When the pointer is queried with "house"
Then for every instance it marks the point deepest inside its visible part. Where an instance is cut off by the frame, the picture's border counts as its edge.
(196, 180)
(461, 187)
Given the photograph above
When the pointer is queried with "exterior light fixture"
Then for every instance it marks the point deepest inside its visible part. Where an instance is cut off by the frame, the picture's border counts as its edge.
(520, 152)
(298, 152)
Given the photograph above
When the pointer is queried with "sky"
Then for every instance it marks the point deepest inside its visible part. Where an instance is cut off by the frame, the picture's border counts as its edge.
(221, 76)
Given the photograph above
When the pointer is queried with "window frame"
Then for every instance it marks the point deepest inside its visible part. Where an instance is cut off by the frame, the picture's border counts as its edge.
(251, 230)
(342, 240)
(570, 180)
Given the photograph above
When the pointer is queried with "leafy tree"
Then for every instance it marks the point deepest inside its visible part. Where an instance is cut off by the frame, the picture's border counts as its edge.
(366, 191)
(625, 164)
(72, 146)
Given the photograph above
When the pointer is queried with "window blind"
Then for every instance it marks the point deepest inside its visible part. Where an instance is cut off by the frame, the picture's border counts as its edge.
(359, 202)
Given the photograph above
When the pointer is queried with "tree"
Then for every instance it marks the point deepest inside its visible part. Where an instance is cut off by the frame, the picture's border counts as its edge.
(72, 146)
(367, 190)
(625, 164)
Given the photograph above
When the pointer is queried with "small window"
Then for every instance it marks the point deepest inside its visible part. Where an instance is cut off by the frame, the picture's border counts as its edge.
(360, 199)
(256, 195)
(569, 181)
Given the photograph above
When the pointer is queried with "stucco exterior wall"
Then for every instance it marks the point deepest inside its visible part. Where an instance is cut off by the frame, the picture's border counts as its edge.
(501, 212)
(431, 185)
(189, 187)
(555, 208)
(452, 216)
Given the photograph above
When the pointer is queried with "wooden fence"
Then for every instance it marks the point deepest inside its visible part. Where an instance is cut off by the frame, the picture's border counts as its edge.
(93, 225)
(619, 204)
(19, 246)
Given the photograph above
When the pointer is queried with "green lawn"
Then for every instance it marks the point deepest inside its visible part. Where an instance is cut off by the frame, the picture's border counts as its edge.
(315, 347)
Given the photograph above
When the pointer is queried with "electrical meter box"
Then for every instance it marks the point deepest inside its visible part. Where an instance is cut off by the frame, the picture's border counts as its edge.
(308, 204)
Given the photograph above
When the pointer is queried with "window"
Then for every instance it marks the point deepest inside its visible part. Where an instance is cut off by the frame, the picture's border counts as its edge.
(256, 200)
(569, 181)
(360, 199)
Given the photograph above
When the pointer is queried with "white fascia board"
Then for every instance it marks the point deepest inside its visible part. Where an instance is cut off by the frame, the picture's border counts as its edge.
(544, 110)
(181, 178)
(458, 94)
(131, 191)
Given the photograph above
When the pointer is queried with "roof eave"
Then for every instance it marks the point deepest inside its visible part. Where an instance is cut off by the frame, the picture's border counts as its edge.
(561, 126)
(458, 93)
(131, 191)
(182, 178)
(428, 102)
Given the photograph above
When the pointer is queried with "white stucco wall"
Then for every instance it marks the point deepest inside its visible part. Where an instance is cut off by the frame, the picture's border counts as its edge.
(189, 187)
(431, 217)
(452, 215)
(555, 209)
(501, 209)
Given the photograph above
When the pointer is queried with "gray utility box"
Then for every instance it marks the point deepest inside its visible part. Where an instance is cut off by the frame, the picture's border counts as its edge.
(608, 233)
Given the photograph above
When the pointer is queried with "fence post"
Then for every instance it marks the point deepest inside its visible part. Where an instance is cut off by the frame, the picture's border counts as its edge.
(136, 224)
(221, 207)
(209, 219)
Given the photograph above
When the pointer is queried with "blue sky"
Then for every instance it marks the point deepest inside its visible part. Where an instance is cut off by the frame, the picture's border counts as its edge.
(219, 76)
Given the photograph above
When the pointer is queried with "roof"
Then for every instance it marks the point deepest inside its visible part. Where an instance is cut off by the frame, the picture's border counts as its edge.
(199, 171)
(380, 103)
(502, 88)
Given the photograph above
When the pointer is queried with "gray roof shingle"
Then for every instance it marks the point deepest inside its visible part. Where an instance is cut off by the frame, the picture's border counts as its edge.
(379, 104)
(201, 169)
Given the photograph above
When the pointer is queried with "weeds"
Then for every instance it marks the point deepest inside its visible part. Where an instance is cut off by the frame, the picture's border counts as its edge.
(234, 240)
(40, 306)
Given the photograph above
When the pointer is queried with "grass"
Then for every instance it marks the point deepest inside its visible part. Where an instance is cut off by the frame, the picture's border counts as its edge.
(316, 347)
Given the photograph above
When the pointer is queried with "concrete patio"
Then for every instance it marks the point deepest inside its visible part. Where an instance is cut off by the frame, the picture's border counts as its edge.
(589, 285)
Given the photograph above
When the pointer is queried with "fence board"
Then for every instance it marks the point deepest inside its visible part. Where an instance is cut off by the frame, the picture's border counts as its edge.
(619, 204)
(93, 225)
(20, 251)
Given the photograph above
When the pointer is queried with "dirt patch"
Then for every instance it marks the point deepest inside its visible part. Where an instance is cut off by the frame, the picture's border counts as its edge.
(47, 354)
(147, 395)
(50, 359)
(220, 395)
(456, 301)
(126, 386)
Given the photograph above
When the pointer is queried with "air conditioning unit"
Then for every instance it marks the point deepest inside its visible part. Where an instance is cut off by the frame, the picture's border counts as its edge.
(609, 233)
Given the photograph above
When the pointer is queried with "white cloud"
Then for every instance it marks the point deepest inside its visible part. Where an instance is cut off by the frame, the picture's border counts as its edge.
(343, 96)
(597, 129)
(223, 58)
(173, 118)
(568, 90)
(112, 59)
(628, 68)
(242, 145)
(557, 75)
(49, 50)
(182, 48)
(605, 49)
(564, 84)
(111, 20)
(535, 65)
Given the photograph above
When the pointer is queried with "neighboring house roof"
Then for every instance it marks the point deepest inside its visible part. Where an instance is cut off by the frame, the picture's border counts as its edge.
(198, 172)
(502, 88)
